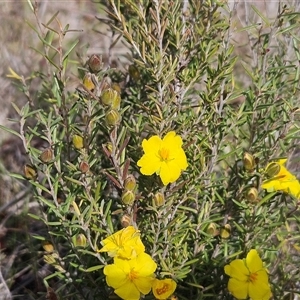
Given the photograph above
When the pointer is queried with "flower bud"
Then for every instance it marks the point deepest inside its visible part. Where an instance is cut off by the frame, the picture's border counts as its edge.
(272, 169)
(249, 161)
(109, 96)
(84, 167)
(130, 183)
(116, 87)
(77, 141)
(126, 221)
(47, 246)
(159, 199)
(88, 82)
(112, 117)
(225, 231)
(79, 240)
(134, 72)
(128, 197)
(30, 172)
(108, 148)
(212, 229)
(95, 63)
(47, 155)
(252, 195)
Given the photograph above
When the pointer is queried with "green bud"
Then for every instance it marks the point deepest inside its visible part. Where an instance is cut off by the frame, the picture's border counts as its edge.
(116, 87)
(130, 183)
(128, 197)
(225, 231)
(212, 229)
(77, 141)
(249, 161)
(112, 117)
(79, 240)
(252, 195)
(134, 72)
(159, 199)
(95, 63)
(88, 82)
(110, 97)
(272, 169)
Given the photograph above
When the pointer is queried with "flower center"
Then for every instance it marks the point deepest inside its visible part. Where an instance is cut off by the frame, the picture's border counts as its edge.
(164, 154)
(133, 275)
(252, 277)
(163, 289)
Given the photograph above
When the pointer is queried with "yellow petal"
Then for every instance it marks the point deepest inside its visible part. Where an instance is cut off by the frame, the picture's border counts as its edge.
(128, 291)
(149, 164)
(253, 261)
(169, 172)
(115, 276)
(152, 145)
(259, 290)
(237, 269)
(239, 289)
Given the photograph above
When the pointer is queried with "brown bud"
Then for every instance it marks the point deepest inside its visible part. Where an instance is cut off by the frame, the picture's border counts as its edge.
(128, 197)
(130, 183)
(47, 155)
(84, 167)
(126, 221)
(112, 117)
(30, 172)
(95, 63)
(159, 199)
(77, 141)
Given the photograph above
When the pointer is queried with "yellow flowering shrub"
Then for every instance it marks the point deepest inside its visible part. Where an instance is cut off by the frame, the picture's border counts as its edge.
(155, 161)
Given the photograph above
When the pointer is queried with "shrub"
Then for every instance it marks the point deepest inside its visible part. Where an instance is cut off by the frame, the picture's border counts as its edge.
(181, 74)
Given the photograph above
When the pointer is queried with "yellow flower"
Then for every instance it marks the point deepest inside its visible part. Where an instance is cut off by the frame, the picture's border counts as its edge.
(125, 243)
(162, 289)
(281, 179)
(131, 278)
(165, 157)
(248, 278)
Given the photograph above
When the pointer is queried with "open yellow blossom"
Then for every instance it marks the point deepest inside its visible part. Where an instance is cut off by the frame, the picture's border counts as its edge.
(281, 179)
(165, 157)
(131, 278)
(248, 278)
(125, 243)
(163, 289)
